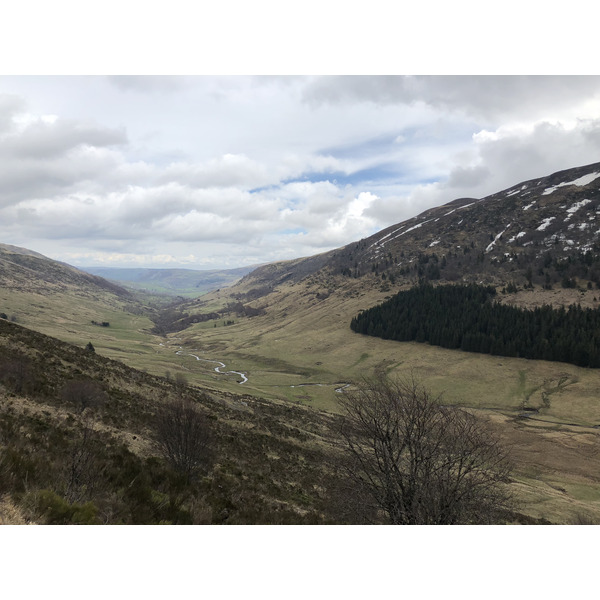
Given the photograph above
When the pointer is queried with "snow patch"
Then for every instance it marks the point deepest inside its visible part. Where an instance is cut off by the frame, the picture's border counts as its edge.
(385, 236)
(513, 192)
(575, 207)
(529, 205)
(414, 227)
(545, 223)
(580, 181)
(381, 243)
(492, 244)
(516, 237)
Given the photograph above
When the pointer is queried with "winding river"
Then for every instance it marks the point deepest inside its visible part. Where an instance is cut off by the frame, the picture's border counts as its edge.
(220, 366)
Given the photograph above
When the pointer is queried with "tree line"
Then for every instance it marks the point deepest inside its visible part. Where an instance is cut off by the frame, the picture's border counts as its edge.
(467, 317)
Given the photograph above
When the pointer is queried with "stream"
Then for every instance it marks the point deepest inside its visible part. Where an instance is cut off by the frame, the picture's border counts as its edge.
(221, 365)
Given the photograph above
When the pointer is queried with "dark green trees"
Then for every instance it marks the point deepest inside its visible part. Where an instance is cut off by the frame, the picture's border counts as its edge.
(468, 318)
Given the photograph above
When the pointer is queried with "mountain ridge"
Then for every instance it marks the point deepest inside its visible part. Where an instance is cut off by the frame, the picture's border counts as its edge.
(22, 269)
(495, 239)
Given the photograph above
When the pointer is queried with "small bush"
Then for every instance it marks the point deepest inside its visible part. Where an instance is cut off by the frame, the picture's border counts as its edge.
(54, 510)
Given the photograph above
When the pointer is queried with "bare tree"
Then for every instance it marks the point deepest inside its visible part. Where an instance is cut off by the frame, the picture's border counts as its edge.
(17, 375)
(185, 437)
(422, 462)
(83, 393)
(82, 471)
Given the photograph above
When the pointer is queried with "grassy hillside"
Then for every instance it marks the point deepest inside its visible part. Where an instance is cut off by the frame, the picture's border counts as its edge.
(304, 337)
(269, 465)
(274, 460)
(299, 335)
(299, 349)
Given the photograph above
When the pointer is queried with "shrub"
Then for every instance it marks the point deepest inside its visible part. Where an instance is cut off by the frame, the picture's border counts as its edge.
(184, 437)
(54, 510)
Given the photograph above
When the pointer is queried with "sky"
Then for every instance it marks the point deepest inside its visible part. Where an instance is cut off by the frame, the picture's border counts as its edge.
(136, 163)
(226, 171)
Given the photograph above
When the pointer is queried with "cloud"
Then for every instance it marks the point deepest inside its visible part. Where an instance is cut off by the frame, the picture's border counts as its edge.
(10, 106)
(508, 155)
(229, 170)
(488, 97)
(258, 169)
(43, 156)
(468, 177)
(42, 139)
(545, 147)
(143, 84)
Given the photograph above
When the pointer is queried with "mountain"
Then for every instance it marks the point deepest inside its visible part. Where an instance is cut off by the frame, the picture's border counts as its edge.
(543, 225)
(286, 326)
(536, 242)
(27, 271)
(174, 282)
(64, 302)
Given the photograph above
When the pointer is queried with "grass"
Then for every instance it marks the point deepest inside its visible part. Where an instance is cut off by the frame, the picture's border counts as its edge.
(302, 340)
(313, 344)
(302, 350)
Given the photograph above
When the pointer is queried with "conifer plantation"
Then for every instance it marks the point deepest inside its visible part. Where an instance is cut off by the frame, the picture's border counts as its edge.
(469, 318)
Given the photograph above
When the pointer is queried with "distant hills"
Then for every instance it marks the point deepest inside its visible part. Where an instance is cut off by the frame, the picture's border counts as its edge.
(174, 282)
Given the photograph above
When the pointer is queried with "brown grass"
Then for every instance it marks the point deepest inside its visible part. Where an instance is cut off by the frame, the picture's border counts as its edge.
(10, 514)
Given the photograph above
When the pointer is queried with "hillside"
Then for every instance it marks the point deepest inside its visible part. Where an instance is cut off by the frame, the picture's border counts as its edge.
(64, 302)
(78, 445)
(535, 242)
(532, 232)
(23, 270)
(269, 465)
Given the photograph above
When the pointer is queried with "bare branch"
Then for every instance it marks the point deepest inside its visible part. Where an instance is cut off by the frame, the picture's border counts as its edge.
(422, 462)
(184, 437)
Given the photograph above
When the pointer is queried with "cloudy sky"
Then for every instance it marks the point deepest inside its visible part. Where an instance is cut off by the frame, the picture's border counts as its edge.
(225, 171)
